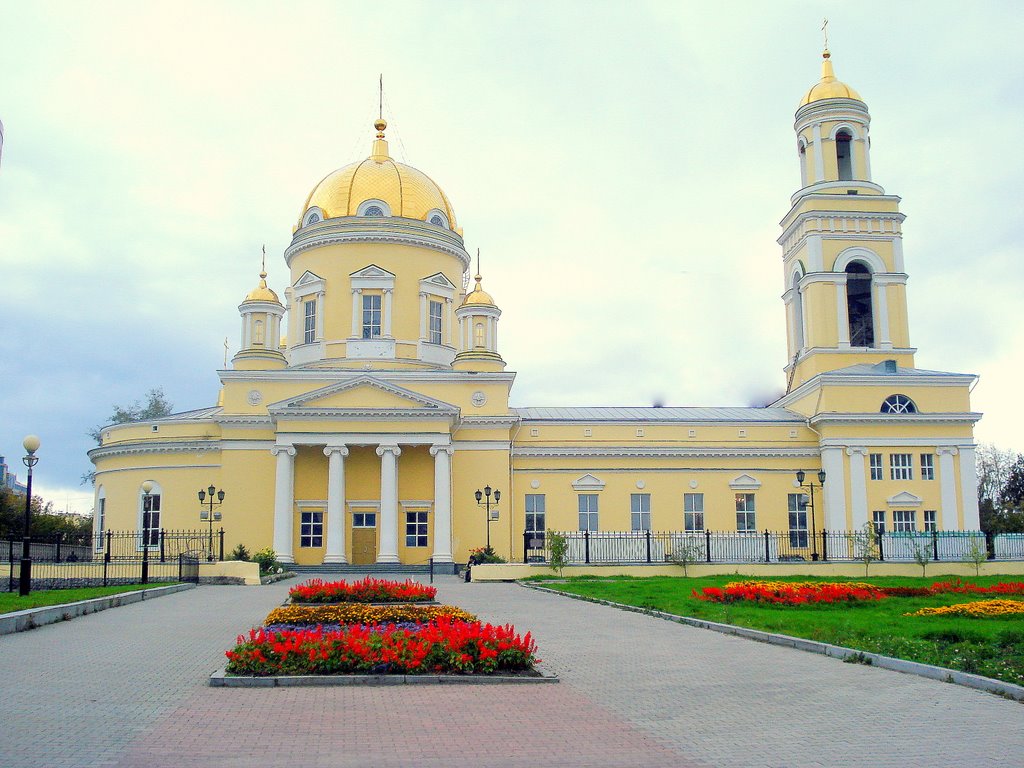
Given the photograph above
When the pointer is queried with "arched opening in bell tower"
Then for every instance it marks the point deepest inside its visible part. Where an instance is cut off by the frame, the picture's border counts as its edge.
(844, 158)
(858, 305)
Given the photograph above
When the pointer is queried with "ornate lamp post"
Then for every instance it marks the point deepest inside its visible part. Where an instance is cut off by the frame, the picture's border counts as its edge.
(810, 486)
(31, 444)
(210, 514)
(484, 497)
(147, 490)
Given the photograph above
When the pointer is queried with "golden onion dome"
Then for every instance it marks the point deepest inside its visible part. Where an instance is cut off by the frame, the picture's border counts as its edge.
(478, 296)
(829, 87)
(409, 193)
(261, 292)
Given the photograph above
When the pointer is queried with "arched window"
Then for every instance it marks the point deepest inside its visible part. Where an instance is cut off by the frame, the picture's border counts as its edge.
(478, 336)
(373, 210)
(149, 516)
(898, 404)
(798, 314)
(313, 218)
(100, 516)
(437, 220)
(258, 334)
(858, 305)
(844, 160)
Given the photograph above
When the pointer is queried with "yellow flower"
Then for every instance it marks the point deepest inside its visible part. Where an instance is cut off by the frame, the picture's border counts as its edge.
(977, 609)
(362, 613)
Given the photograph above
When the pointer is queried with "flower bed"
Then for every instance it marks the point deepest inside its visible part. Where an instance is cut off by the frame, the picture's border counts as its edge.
(368, 590)
(977, 609)
(360, 613)
(790, 593)
(445, 645)
(1002, 588)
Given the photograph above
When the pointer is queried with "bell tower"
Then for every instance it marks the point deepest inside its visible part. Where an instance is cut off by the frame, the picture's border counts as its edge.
(842, 247)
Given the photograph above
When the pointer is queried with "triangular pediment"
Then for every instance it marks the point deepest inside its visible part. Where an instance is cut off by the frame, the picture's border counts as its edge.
(364, 393)
(904, 499)
(745, 483)
(306, 278)
(588, 483)
(439, 280)
(372, 271)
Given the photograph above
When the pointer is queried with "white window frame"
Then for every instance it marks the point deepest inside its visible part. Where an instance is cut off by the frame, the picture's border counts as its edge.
(535, 507)
(587, 505)
(901, 466)
(150, 533)
(359, 518)
(435, 321)
(746, 513)
(368, 327)
(878, 519)
(101, 516)
(309, 316)
(927, 466)
(640, 511)
(931, 520)
(798, 531)
(875, 464)
(693, 512)
(904, 521)
(418, 522)
(315, 529)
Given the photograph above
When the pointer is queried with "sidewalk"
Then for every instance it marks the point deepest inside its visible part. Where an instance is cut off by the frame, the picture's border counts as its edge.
(127, 687)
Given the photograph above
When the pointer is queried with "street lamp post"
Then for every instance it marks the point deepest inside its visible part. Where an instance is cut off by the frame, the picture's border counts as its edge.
(212, 492)
(31, 444)
(810, 486)
(147, 506)
(484, 497)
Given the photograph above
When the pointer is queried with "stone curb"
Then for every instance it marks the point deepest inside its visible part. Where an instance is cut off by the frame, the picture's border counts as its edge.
(220, 679)
(30, 618)
(988, 684)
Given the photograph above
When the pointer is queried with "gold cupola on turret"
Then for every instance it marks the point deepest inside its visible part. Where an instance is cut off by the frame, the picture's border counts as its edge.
(261, 313)
(478, 330)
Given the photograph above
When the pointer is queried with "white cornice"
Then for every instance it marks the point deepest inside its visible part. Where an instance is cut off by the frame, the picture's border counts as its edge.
(654, 452)
(329, 375)
(361, 229)
(880, 441)
(902, 419)
(489, 422)
(790, 222)
(162, 446)
(357, 382)
(364, 414)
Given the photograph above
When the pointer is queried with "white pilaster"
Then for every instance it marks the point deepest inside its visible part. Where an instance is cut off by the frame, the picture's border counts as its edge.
(448, 322)
(842, 314)
(442, 503)
(858, 488)
(320, 316)
(386, 330)
(423, 316)
(835, 488)
(881, 298)
(357, 313)
(819, 157)
(867, 155)
(969, 489)
(335, 504)
(284, 502)
(947, 487)
(388, 552)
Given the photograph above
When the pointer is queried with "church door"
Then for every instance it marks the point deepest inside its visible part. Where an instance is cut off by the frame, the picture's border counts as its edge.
(364, 538)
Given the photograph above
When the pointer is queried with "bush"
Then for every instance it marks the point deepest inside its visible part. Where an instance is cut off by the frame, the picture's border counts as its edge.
(483, 555)
(267, 558)
(240, 553)
(559, 551)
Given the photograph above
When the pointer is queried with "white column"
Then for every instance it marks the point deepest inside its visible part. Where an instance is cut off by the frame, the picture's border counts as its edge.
(245, 331)
(867, 155)
(842, 314)
(819, 158)
(357, 311)
(947, 487)
(386, 330)
(388, 551)
(448, 322)
(858, 487)
(969, 489)
(283, 502)
(881, 298)
(835, 489)
(320, 312)
(423, 316)
(489, 330)
(442, 503)
(335, 504)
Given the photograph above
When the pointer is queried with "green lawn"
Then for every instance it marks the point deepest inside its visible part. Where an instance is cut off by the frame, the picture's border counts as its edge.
(993, 647)
(12, 601)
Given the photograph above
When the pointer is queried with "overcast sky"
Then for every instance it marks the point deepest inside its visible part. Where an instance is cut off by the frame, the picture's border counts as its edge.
(622, 167)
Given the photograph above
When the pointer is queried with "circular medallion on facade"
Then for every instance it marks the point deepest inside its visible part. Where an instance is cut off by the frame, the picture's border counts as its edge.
(640, 483)
(479, 398)
(255, 397)
(535, 484)
(693, 483)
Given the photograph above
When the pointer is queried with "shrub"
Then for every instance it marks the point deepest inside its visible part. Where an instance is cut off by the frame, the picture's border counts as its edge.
(558, 547)
(368, 590)
(483, 555)
(240, 553)
(267, 558)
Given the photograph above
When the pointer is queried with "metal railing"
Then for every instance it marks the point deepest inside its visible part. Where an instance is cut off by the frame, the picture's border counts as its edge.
(772, 546)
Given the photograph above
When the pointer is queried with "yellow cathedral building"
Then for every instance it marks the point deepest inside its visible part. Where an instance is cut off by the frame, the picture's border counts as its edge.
(369, 402)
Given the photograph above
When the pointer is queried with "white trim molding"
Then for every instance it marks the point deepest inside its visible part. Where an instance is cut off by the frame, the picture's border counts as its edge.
(588, 483)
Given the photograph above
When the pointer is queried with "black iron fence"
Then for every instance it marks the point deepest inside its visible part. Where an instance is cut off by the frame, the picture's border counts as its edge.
(113, 557)
(774, 547)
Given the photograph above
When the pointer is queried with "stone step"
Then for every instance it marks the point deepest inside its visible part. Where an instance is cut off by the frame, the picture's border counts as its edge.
(372, 569)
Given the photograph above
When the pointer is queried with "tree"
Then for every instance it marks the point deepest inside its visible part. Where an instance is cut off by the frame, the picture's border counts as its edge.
(558, 548)
(865, 545)
(1000, 490)
(994, 465)
(157, 405)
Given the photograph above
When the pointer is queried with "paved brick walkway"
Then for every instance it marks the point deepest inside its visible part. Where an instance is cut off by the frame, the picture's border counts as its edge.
(126, 687)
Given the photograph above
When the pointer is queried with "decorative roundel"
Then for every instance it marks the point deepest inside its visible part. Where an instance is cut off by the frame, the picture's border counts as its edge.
(479, 398)
(693, 483)
(255, 397)
(640, 484)
(535, 484)
(373, 210)
(898, 404)
(437, 220)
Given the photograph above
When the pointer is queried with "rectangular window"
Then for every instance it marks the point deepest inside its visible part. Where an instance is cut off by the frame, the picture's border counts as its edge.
(927, 466)
(588, 511)
(311, 529)
(364, 519)
(371, 315)
(878, 520)
(101, 520)
(745, 512)
(309, 335)
(535, 523)
(904, 521)
(151, 520)
(693, 511)
(798, 520)
(640, 511)
(901, 466)
(435, 322)
(876, 466)
(931, 522)
(416, 529)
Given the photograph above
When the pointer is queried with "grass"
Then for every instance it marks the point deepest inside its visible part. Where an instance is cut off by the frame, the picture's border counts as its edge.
(11, 601)
(993, 647)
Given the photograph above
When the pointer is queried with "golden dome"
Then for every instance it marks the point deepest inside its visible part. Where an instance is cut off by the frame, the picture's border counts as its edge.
(261, 292)
(478, 296)
(828, 87)
(409, 193)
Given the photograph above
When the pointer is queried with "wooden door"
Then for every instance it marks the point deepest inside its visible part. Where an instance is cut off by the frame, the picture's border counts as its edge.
(364, 546)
